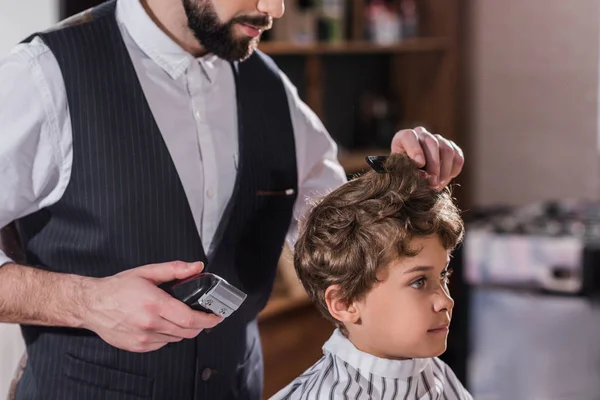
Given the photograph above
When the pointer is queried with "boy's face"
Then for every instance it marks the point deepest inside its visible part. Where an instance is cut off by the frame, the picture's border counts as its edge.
(407, 314)
(231, 29)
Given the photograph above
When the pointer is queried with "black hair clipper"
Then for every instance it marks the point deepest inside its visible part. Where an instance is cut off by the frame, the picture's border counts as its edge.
(208, 293)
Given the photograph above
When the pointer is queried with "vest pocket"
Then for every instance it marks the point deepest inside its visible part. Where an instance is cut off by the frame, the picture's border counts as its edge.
(95, 381)
(287, 192)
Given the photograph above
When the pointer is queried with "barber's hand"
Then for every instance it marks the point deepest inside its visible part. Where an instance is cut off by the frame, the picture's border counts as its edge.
(442, 158)
(130, 312)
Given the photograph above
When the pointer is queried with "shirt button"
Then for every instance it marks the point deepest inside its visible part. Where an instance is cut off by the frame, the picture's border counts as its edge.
(210, 193)
(198, 116)
(207, 373)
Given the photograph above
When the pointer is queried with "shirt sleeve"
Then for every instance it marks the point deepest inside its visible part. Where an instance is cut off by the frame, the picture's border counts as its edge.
(35, 151)
(319, 171)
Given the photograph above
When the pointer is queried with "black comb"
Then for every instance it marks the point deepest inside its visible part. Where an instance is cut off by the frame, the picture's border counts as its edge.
(377, 163)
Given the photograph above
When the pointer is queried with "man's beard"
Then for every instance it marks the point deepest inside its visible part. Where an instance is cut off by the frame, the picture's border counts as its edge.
(217, 37)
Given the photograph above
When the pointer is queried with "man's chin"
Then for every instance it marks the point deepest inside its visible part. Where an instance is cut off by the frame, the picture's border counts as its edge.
(238, 53)
(248, 51)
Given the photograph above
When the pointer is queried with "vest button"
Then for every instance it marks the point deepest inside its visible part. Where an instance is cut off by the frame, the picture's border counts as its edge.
(207, 374)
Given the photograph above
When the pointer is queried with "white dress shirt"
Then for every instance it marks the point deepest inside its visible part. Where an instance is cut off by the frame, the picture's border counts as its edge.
(344, 372)
(193, 101)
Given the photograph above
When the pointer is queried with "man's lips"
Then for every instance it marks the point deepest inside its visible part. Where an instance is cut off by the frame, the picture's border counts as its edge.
(251, 30)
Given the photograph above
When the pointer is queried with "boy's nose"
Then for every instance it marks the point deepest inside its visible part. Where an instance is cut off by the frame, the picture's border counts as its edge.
(443, 301)
(274, 8)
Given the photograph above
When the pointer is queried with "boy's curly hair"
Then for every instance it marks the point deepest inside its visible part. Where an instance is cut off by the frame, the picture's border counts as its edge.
(365, 224)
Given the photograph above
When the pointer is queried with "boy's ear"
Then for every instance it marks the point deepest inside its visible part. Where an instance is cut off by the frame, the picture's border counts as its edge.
(339, 308)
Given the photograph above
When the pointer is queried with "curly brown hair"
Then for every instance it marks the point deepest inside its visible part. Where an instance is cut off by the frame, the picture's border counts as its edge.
(365, 224)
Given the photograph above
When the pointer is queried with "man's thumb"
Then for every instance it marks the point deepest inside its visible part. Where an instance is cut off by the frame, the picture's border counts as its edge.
(166, 272)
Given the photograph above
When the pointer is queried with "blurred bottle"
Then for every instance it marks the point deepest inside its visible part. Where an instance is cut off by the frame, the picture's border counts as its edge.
(410, 19)
(332, 20)
(298, 24)
(305, 21)
(384, 24)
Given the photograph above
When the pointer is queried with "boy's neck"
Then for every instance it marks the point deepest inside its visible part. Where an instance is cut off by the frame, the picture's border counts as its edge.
(366, 346)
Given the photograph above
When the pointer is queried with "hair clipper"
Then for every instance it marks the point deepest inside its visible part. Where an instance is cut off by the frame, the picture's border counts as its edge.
(208, 293)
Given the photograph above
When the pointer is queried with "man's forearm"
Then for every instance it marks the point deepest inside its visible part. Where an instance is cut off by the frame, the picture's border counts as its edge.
(32, 296)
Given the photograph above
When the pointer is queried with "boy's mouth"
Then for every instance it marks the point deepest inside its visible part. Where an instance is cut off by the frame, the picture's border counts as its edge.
(441, 328)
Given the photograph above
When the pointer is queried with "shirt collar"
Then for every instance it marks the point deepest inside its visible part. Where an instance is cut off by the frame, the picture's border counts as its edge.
(211, 65)
(339, 346)
(157, 45)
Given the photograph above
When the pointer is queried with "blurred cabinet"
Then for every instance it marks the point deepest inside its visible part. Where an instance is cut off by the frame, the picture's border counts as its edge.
(292, 342)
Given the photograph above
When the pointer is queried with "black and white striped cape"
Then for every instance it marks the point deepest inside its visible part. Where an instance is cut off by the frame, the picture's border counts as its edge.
(347, 373)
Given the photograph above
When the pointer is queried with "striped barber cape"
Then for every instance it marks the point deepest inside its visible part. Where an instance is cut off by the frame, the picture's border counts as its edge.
(344, 372)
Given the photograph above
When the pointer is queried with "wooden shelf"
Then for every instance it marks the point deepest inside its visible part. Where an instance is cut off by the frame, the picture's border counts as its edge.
(356, 47)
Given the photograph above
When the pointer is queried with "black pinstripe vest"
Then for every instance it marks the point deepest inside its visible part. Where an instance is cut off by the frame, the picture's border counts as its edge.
(125, 207)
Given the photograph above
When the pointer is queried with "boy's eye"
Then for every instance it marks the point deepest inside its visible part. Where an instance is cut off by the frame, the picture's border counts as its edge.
(418, 284)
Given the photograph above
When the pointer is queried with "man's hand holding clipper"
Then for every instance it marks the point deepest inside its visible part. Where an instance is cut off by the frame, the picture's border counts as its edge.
(129, 311)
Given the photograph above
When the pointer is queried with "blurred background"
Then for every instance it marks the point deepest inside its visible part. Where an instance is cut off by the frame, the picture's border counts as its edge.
(515, 83)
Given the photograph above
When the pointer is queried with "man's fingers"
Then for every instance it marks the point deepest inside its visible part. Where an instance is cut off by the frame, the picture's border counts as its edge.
(443, 159)
(154, 328)
(407, 141)
(446, 154)
(166, 272)
(186, 318)
(150, 341)
(431, 149)
(458, 161)
(170, 329)
(176, 331)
